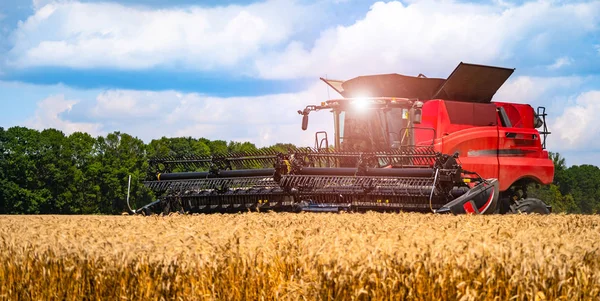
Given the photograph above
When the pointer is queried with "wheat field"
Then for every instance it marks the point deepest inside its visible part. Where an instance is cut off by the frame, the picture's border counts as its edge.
(277, 256)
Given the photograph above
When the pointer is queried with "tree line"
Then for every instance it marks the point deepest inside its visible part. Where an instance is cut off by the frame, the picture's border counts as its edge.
(48, 172)
(576, 189)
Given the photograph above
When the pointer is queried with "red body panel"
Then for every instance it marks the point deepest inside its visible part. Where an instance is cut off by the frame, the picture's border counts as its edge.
(484, 145)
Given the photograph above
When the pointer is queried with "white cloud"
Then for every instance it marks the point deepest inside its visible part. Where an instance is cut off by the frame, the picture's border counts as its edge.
(127, 104)
(261, 39)
(561, 62)
(431, 37)
(536, 90)
(48, 115)
(263, 120)
(88, 35)
(578, 127)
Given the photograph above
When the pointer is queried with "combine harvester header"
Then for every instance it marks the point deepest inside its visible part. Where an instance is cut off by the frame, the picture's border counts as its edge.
(401, 143)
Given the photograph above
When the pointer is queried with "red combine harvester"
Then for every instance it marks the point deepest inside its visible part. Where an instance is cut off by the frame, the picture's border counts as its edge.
(401, 143)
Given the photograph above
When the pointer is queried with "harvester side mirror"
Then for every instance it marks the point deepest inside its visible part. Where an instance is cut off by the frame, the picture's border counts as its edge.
(537, 122)
(304, 122)
(417, 116)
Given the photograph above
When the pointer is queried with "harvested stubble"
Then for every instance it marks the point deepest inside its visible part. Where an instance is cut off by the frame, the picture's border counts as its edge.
(300, 256)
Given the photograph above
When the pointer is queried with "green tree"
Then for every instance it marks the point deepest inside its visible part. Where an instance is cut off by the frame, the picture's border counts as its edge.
(560, 172)
(22, 190)
(552, 196)
(85, 174)
(200, 148)
(55, 171)
(216, 146)
(121, 155)
(3, 167)
(560, 164)
(159, 148)
(241, 147)
(582, 183)
(280, 147)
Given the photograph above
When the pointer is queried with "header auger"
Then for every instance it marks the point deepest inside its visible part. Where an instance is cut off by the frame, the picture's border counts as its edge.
(400, 144)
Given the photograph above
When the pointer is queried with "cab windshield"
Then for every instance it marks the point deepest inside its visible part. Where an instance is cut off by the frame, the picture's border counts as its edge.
(373, 129)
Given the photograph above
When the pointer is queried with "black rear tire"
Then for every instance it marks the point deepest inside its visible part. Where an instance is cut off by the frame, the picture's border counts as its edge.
(531, 205)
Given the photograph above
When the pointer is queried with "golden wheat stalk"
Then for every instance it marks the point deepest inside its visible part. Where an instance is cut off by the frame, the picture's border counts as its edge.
(272, 256)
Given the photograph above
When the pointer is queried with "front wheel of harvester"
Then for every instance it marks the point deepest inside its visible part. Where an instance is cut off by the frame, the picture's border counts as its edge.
(531, 205)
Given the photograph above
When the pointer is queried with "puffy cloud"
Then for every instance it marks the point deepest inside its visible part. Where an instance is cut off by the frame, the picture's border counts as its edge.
(263, 120)
(431, 37)
(537, 90)
(48, 115)
(578, 127)
(428, 36)
(110, 35)
(115, 104)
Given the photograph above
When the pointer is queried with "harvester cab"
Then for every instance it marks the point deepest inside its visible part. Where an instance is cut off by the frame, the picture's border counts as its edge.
(365, 124)
(400, 143)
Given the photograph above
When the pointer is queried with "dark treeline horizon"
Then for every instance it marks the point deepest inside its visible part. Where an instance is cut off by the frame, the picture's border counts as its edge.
(48, 172)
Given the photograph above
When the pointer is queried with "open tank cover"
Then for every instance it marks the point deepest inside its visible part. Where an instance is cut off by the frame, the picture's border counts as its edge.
(468, 82)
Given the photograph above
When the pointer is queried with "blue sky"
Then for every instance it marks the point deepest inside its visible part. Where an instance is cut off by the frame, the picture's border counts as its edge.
(239, 70)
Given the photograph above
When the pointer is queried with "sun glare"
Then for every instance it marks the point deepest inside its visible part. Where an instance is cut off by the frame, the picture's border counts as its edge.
(360, 103)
